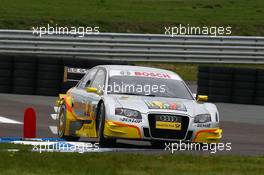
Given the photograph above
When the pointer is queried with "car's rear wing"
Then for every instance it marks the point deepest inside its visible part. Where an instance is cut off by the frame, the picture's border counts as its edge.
(73, 74)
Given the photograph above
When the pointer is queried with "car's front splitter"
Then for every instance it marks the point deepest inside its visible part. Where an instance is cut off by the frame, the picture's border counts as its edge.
(121, 130)
(210, 135)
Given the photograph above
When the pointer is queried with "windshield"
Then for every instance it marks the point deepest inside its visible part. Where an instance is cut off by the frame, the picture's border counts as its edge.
(158, 87)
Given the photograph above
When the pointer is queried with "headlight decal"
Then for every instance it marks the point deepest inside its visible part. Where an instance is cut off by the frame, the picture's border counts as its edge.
(202, 118)
(130, 113)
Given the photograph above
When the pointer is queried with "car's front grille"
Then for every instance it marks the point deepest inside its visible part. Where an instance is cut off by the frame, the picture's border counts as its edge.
(168, 133)
(146, 132)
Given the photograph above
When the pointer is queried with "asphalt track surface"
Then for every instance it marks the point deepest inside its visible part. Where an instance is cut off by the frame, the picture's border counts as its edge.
(243, 125)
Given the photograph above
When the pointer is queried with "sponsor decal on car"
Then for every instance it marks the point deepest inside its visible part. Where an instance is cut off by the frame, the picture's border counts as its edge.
(77, 70)
(130, 120)
(152, 74)
(142, 74)
(203, 125)
(165, 105)
(168, 125)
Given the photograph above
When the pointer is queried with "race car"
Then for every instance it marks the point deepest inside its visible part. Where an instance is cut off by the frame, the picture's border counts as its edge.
(140, 103)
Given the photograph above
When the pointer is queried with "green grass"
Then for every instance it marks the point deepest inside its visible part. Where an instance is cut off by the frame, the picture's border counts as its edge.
(6, 146)
(188, 71)
(28, 163)
(141, 16)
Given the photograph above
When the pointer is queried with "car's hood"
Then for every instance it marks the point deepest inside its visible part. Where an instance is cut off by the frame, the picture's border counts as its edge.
(146, 104)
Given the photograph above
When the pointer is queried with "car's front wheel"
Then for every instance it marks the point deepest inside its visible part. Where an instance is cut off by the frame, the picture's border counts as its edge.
(103, 141)
(62, 125)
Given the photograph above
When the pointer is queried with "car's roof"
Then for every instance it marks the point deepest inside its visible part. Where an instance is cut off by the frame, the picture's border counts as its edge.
(138, 68)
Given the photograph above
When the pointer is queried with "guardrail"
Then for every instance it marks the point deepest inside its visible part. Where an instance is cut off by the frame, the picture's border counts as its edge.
(136, 47)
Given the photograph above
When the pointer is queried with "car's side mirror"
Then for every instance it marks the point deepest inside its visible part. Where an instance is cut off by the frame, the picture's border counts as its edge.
(91, 89)
(202, 98)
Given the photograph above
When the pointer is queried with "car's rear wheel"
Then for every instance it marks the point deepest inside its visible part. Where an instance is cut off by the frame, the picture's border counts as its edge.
(103, 141)
(62, 124)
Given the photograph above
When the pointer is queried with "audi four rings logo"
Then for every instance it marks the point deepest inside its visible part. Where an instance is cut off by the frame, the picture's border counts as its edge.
(168, 118)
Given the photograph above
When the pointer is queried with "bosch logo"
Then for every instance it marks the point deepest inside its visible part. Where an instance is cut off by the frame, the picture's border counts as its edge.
(168, 118)
(153, 74)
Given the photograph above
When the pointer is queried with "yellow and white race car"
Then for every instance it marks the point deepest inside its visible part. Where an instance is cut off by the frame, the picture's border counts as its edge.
(131, 102)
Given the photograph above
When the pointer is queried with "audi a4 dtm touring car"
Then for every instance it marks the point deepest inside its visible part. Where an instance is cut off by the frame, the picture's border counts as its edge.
(130, 102)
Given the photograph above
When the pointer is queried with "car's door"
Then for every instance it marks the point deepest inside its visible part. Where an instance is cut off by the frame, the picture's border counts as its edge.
(92, 98)
(79, 94)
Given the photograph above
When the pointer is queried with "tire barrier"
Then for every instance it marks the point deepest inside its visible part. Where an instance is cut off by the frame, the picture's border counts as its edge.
(24, 75)
(232, 85)
(259, 93)
(244, 86)
(49, 76)
(203, 80)
(40, 75)
(220, 85)
(6, 66)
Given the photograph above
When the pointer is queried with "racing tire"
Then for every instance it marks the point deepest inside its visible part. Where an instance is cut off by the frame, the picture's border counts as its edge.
(48, 83)
(220, 91)
(259, 100)
(219, 98)
(260, 85)
(24, 66)
(4, 89)
(49, 75)
(203, 75)
(62, 124)
(23, 90)
(5, 73)
(6, 58)
(5, 65)
(221, 70)
(259, 93)
(204, 69)
(24, 74)
(103, 141)
(220, 84)
(47, 91)
(23, 82)
(244, 78)
(25, 59)
(203, 90)
(245, 71)
(242, 100)
(5, 81)
(243, 92)
(203, 82)
(221, 77)
(260, 76)
(49, 68)
(244, 85)
(67, 85)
